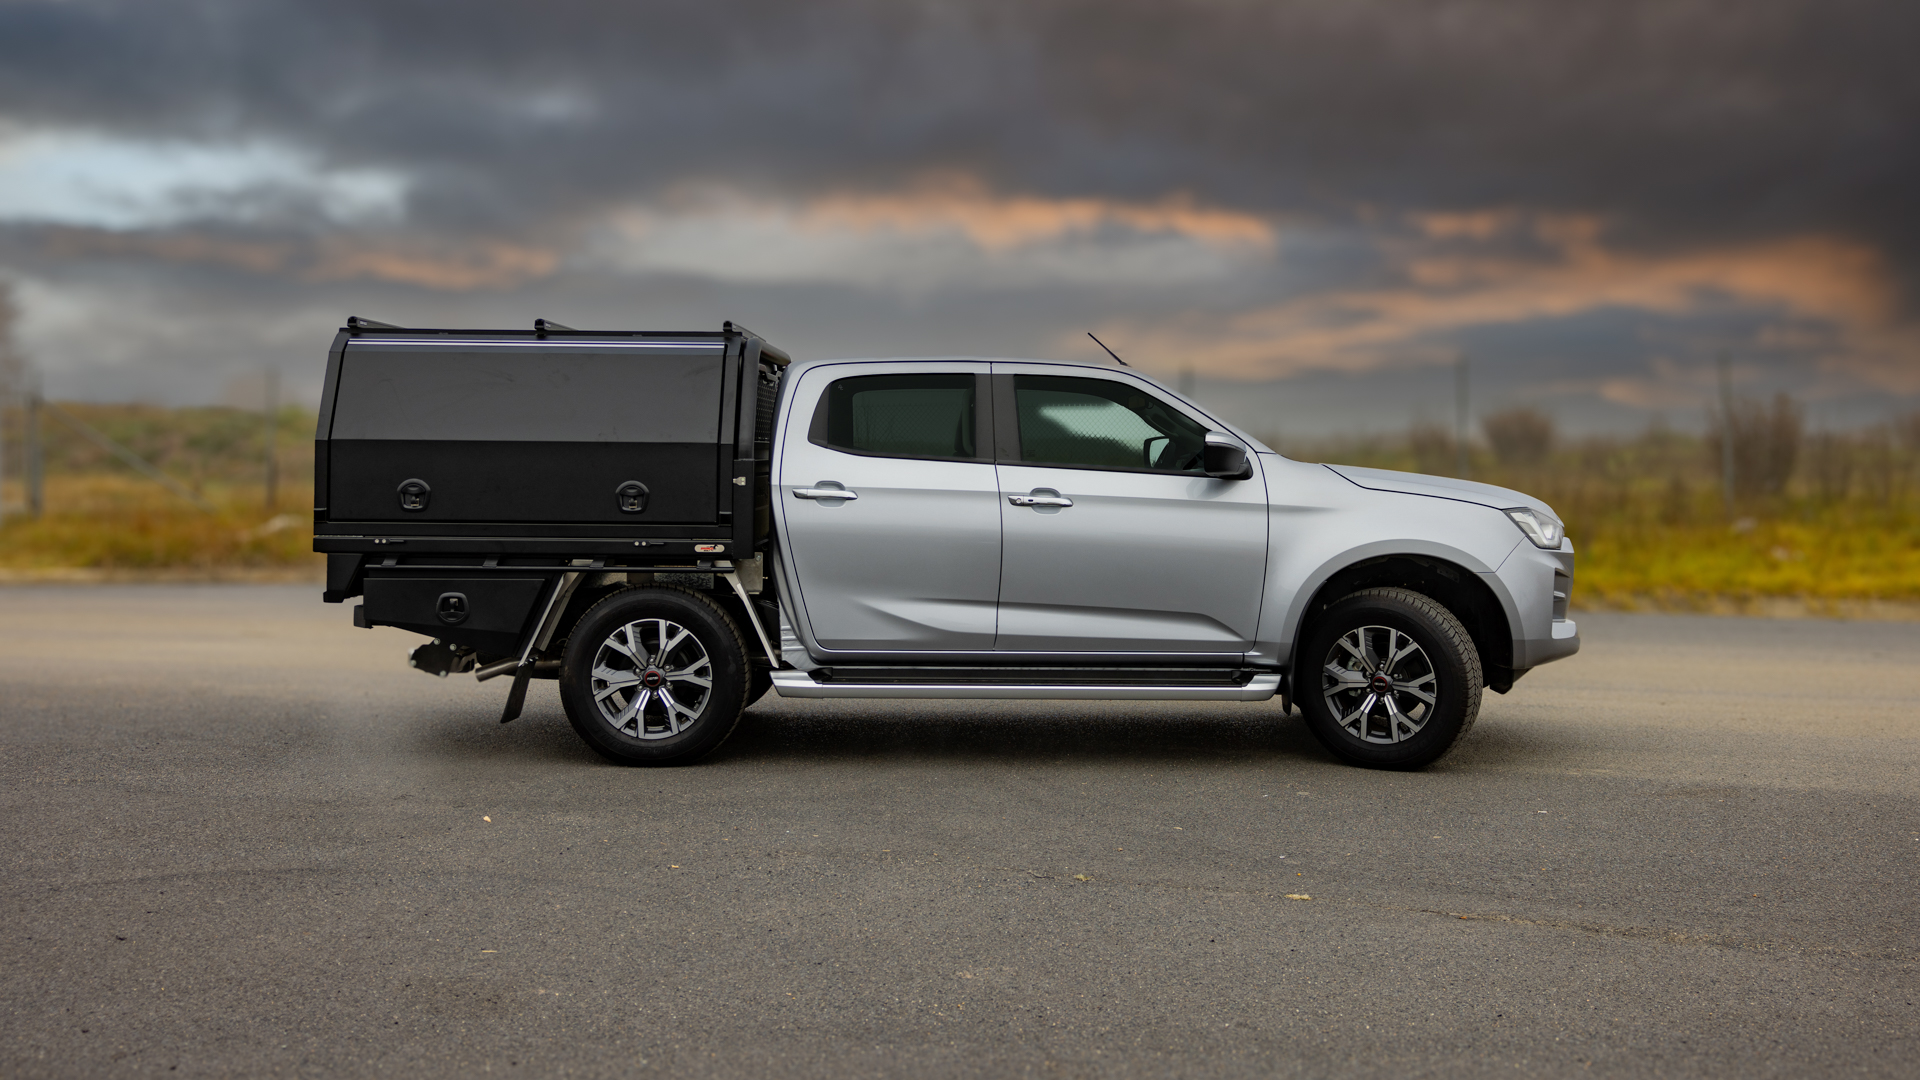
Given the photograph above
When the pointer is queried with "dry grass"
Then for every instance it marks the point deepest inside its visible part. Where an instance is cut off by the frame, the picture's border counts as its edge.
(102, 516)
(1646, 515)
(129, 523)
(1833, 553)
(1653, 530)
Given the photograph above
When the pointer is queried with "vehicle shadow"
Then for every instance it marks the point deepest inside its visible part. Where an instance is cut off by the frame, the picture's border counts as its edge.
(469, 733)
(787, 730)
(777, 729)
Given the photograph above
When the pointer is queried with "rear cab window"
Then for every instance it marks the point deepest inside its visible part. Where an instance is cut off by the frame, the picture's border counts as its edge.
(934, 416)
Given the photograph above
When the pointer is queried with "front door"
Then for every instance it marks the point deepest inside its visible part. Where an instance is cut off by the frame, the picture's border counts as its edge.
(907, 560)
(1115, 540)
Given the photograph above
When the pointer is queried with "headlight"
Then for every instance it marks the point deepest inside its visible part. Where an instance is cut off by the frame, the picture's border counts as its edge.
(1541, 529)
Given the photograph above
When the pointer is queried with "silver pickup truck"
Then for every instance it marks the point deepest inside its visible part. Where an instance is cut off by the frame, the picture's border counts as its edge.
(670, 525)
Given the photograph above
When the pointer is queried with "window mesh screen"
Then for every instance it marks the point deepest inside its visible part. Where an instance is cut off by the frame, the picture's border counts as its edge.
(1103, 424)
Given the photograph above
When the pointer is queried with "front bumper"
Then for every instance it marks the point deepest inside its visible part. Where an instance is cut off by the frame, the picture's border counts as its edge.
(1541, 585)
(1564, 642)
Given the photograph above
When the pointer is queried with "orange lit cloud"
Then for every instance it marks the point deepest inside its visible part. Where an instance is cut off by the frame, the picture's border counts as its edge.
(449, 268)
(943, 232)
(1670, 384)
(1002, 222)
(256, 256)
(1835, 282)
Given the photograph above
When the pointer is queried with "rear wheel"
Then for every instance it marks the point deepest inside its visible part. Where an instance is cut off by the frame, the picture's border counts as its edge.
(1395, 679)
(654, 676)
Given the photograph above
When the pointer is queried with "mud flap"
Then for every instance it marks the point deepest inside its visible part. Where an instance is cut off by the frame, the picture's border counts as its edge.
(542, 633)
(517, 696)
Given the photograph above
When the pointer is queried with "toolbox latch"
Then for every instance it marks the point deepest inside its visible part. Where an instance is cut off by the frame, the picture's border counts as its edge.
(631, 496)
(414, 494)
(452, 608)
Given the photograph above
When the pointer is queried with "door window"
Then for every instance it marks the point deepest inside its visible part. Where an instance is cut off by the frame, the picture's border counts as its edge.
(1102, 424)
(913, 416)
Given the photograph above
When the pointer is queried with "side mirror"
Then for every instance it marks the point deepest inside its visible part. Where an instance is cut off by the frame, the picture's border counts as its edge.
(1225, 459)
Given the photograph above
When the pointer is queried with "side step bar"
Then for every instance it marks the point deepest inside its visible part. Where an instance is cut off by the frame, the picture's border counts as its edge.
(872, 683)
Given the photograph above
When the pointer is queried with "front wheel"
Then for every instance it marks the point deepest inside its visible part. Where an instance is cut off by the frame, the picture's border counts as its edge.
(1394, 679)
(654, 676)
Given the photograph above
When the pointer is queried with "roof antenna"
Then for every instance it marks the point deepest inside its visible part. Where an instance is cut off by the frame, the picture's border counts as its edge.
(1110, 352)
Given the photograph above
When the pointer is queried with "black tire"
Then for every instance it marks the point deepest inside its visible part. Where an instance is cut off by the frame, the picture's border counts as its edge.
(623, 633)
(1378, 718)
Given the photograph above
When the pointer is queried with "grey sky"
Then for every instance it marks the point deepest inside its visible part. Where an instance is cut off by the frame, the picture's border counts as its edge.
(1313, 206)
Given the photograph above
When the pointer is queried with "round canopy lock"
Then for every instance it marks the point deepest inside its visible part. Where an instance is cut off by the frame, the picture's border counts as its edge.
(414, 494)
(631, 497)
(451, 608)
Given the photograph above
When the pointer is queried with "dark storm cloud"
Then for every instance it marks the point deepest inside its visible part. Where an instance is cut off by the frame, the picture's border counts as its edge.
(1679, 119)
(1594, 195)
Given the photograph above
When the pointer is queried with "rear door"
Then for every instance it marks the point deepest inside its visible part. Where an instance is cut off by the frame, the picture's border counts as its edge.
(1115, 541)
(907, 560)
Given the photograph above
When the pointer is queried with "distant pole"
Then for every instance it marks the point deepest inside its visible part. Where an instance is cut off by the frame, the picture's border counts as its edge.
(1462, 466)
(36, 453)
(1726, 428)
(273, 463)
(1186, 381)
(4, 394)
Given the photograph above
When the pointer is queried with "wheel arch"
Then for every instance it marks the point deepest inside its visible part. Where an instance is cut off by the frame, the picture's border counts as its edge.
(1465, 593)
(723, 650)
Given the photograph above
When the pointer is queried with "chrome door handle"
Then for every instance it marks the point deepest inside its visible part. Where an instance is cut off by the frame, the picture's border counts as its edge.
(1039, 500)
(824, 493)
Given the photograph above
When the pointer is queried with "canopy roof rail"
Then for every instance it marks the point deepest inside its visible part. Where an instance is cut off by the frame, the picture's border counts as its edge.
(778, 356)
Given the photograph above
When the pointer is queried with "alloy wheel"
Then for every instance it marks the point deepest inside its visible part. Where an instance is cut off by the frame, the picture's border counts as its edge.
(651, 679)
(1379, 684)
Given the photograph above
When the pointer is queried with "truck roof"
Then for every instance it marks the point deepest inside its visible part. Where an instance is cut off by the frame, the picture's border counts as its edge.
(799, 365)
(1088, 365)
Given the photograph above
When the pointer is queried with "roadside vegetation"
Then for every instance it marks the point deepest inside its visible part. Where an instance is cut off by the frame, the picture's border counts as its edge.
(1830, 519)
(1825, 519)
(99, 516)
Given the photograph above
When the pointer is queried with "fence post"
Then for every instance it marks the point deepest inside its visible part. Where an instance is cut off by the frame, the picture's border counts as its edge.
(1462, 465)
(36, 453)
(273, 461)
(5, 393)
(1726, 430)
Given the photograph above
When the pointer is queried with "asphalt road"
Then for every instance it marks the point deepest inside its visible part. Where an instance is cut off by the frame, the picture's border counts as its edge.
(242, 838)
